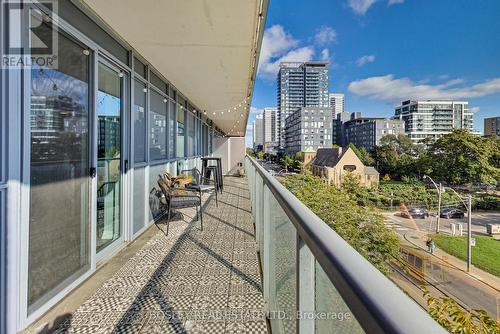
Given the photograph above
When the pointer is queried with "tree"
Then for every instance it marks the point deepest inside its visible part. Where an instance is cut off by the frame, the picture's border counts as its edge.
(359, 226)
(363, 155)
(452, 317)
(287, 162)
(398, 156)
(260, 155)
(461, 157)
(298, 161)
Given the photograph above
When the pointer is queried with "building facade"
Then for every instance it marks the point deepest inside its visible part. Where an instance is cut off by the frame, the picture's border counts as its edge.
(433, 118)
(301, 84)
(333, 164)
(258, 132)
(308, 128)
(366, 132)
(337, 103)
(492, 126)
(271, 129)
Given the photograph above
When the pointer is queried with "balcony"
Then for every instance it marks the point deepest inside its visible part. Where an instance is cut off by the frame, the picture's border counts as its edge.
(189, 281)
(284, 270)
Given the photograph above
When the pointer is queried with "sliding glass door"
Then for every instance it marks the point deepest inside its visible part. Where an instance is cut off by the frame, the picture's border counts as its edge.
(109, 108)
(59, 165)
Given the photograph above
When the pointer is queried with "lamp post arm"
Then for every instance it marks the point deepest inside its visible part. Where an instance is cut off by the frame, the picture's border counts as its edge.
(434, 183)
(459, 196)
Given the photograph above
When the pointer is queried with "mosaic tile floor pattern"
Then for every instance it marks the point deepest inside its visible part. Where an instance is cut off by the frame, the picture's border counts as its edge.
(188, 281)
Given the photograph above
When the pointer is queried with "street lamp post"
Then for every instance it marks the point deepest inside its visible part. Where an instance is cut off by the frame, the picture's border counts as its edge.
(439, 190)
(469, 233)
(468, 205)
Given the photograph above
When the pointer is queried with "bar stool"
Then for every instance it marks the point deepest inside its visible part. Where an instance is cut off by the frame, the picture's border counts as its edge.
(213, 170)
(217, 173)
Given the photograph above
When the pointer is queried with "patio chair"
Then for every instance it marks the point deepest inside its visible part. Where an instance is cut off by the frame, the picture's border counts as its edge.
(200, 183)
(179, 198)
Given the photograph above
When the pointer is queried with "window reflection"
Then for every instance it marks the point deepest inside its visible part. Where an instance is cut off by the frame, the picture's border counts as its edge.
(59, 120)
(191, 134)
(139, 120)
(180, 133)
(171, 130)
(158, 127)
(109, 107)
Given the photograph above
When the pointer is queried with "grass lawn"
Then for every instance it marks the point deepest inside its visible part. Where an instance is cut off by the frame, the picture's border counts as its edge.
(485, 255)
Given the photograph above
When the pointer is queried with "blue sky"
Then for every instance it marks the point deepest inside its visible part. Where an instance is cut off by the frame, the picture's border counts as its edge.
(384, 51)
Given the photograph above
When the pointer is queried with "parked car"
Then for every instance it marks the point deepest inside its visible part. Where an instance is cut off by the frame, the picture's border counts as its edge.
(452, 213)
(418, 213)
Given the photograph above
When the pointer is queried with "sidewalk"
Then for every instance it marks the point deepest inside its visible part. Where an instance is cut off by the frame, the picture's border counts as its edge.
(418, 238)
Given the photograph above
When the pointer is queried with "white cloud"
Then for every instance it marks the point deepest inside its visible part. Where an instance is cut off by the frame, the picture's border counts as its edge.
(280, 46)
(360, 7)
(365, 60)
(268, 70)
(394, 90)
(276, 43)
(474, 109)
(256, 111)
(325, 55)
(325, 35)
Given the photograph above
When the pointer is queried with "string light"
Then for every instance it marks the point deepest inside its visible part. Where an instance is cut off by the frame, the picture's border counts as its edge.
(215, 112)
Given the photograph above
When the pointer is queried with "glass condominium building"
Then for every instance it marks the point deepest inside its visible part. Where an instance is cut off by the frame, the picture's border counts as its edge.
(301, 84)
(433, 118)
(337, 103)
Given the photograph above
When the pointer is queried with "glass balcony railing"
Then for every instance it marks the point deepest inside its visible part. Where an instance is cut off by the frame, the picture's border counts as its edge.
(313, 281)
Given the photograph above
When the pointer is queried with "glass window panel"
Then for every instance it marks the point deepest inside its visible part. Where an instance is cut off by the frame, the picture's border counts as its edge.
(59, 220)
(205, 139)
(180, 133)
(140, 68)
(158, 127)
(71, 13)
(139, 198)
(139, 115)
(191, 134)
(157, 82)
(210, 138)
(109, 107)
(171, 130)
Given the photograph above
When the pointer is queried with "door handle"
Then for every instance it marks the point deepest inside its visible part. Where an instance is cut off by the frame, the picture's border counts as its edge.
(126, 166)
(92, 172)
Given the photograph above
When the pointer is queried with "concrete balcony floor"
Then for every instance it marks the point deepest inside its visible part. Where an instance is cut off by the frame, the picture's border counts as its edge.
(189, 281)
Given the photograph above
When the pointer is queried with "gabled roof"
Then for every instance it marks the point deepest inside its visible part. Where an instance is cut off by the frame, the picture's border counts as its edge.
(328, 157)
(371, 170)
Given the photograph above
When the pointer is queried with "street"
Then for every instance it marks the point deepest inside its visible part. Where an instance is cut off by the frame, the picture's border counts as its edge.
(441, 277)
(479, 222)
